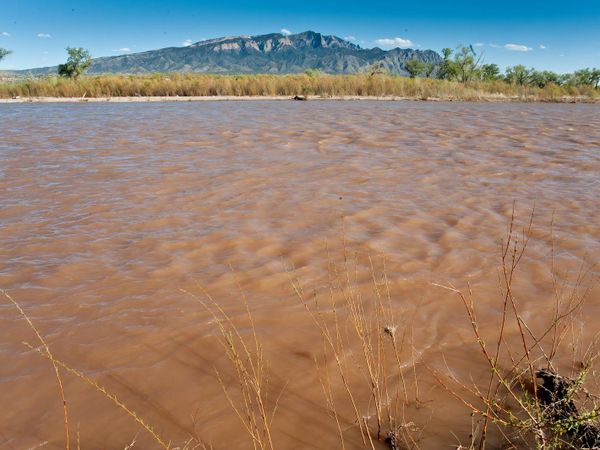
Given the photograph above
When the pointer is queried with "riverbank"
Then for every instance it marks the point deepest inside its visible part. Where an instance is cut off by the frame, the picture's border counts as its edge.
(224, 98)
(197, 87)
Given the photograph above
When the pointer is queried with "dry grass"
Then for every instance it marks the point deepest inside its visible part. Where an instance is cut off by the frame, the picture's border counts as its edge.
(187, 85)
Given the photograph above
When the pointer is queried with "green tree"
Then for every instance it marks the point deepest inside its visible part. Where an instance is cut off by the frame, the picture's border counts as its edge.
(4, 53)
(564, 78)
(586, 77)
(464, 67)
(518, 74)
(414, 67)
(428, 69)
(79, 61)
(489, 72)
(447, 69)
(466, 63)
(543, 78)
(595, 78)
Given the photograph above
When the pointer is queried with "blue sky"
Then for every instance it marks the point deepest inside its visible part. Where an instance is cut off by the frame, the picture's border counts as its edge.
(549, 34)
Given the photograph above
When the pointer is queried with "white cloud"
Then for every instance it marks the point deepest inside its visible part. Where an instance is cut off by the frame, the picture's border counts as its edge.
(542, 47)
(350, 38)
(517, 48)
(285, 31)
(5, 33)
(395, 42)
(125, 49)
(187, 43)
(44, 35)
(478, 44)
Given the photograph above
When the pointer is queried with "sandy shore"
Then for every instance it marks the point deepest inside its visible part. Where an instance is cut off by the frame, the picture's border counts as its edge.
(488, 98)
(220, 98)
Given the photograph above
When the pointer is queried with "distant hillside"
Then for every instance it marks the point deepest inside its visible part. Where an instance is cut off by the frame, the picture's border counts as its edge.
(271, 53)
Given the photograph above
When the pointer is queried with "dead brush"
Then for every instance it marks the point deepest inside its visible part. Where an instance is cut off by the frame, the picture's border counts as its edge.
(252, 404)
(525, 398)
(347, 321)
(44, 350)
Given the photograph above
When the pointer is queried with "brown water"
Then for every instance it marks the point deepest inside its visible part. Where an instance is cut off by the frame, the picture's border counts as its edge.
(107, 211)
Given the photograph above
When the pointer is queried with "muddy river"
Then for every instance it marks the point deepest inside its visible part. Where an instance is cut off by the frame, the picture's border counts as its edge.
(116, 220)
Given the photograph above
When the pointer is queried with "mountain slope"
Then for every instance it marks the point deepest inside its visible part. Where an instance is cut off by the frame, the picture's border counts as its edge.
(271, 53)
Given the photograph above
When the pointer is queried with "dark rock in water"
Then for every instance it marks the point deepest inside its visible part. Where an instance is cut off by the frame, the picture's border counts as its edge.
(392, 441)
(556, 395)
(554, 392)
(301, 98)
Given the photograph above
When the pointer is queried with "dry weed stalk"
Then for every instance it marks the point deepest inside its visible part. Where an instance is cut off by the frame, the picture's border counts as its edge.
(52, 360)
(56, 363)
(374, 330)
(513, 399)
(249, 363)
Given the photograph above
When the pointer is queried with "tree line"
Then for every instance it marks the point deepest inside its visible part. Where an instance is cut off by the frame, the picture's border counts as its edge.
(463, 65)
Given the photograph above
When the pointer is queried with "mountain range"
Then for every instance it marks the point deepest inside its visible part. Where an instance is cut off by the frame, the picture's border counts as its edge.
(270, 53)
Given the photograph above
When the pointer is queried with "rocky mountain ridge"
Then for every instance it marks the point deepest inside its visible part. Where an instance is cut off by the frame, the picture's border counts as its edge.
(274, 53)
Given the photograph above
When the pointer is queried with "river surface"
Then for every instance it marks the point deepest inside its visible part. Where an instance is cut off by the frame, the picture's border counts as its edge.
(112, 214)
